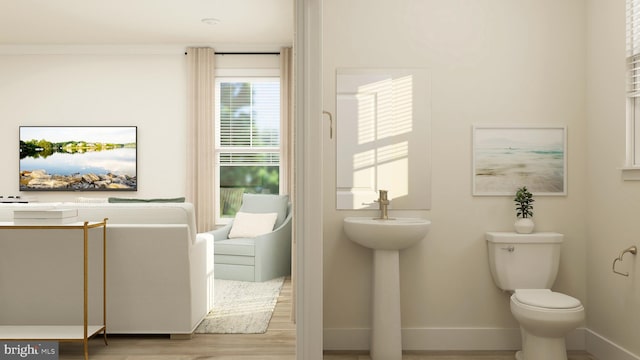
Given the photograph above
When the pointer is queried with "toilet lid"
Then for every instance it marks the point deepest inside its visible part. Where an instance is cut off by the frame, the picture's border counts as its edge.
(546, 298)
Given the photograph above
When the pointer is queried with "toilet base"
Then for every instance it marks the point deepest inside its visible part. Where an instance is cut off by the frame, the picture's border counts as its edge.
(541, 348)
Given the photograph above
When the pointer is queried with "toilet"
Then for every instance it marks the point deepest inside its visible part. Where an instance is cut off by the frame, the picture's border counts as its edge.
(526, 265)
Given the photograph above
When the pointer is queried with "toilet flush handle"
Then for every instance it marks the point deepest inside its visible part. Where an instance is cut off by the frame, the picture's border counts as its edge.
(509, 248)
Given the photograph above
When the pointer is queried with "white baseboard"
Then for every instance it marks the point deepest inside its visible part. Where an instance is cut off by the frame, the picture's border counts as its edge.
(460, 339)
(603, 349)
(469, 339)
(455, 339)
(345, 339)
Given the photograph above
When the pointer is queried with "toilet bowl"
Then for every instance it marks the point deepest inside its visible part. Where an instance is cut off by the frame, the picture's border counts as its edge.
(545, 317)
(526, 265)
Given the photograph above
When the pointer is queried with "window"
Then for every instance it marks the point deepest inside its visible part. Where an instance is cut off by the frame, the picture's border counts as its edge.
(247, 140)
(633, 83)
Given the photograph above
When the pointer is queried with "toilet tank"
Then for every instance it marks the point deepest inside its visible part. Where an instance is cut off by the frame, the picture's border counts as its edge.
(524, 261)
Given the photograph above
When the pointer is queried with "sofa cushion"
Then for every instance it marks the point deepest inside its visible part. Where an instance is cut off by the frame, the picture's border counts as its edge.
(266, 203)
(98, 200)
(241, 247)
(136, 200)
(249, 225)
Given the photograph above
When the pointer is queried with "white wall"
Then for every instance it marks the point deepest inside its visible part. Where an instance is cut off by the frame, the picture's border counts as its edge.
(103, 85)
(614, 205)
(491, 61)
(103, 89)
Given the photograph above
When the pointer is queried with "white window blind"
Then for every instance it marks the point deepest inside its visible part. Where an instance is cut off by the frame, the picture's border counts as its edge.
(249, 113)
(633, 48)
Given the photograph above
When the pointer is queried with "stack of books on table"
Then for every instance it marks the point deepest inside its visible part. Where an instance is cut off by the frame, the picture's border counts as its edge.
(45, 216)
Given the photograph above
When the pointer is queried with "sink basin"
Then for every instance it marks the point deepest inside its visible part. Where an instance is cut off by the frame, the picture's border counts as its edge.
(392, 234)
(386, 238)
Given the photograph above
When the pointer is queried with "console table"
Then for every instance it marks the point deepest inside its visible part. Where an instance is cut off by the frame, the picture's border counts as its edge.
(65, 333)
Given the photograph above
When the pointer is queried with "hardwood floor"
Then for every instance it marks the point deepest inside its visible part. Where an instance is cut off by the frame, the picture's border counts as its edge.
(277, 343)
(448, 355)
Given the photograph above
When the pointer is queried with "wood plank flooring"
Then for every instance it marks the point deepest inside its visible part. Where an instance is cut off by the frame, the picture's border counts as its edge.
(448, 355)
(277, 343)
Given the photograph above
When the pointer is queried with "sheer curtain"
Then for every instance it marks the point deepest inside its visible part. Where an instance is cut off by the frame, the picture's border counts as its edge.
(200, 136)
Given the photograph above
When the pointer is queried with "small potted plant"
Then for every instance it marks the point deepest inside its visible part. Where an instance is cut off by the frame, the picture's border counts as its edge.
(524, 211)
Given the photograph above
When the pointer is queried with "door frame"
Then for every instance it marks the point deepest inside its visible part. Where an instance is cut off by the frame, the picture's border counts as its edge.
(309, 175)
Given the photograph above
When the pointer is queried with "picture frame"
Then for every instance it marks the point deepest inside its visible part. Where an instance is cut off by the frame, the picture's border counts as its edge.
(507, 157)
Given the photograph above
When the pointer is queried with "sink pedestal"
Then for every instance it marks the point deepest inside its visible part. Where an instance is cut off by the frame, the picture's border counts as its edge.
(386, 238)
(386, 337)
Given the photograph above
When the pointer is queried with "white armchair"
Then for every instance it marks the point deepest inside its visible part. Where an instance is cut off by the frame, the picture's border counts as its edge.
(259, 258)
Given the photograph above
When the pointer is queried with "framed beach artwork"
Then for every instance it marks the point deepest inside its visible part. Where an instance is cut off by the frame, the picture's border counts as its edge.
(508, 157)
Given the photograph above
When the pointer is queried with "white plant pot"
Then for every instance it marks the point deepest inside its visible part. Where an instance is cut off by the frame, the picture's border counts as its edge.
(524, 226)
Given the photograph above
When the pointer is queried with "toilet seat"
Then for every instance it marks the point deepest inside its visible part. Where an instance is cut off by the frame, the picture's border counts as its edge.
(545, 298)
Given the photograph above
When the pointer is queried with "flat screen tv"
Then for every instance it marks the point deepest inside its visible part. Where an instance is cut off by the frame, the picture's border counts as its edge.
(78, 158)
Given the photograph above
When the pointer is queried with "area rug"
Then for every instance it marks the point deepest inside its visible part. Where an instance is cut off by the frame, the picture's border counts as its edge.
(241, 307)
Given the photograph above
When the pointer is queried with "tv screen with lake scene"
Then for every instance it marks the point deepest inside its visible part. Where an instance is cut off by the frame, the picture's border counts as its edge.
(78, 158)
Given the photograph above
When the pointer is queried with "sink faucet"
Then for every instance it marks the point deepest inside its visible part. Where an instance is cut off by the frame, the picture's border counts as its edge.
(384, 202)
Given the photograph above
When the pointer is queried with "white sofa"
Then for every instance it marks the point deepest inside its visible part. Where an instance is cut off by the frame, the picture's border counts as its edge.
(159, 270)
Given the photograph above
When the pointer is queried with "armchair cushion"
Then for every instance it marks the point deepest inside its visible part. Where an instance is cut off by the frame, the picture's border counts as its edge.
(248, 225)
(263, 203)
(237, 247)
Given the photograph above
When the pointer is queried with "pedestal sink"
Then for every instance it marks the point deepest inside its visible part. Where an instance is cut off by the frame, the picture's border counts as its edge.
(386, 238)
